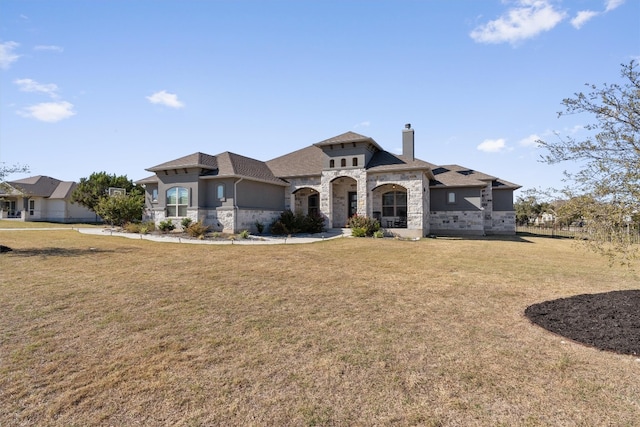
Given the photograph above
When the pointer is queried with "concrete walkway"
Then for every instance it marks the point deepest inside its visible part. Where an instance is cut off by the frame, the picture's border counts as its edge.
(252, 240)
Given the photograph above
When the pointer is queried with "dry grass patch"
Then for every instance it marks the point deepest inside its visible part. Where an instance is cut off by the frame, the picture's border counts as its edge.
(109, 331)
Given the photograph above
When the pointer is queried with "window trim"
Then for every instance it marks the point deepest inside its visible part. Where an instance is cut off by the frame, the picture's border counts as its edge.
(395, 206)
(221, 192)
(177, 205)
(451, 197)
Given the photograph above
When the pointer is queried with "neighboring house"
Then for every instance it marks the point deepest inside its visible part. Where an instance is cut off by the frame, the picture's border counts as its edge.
(42, 198)
(346, 175)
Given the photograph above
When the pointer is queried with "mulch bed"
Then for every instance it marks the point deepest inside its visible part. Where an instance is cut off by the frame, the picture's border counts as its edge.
(609, 321)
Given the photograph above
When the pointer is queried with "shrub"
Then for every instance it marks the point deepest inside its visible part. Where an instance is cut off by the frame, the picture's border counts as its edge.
(358, 231)
(132, 227)
(186, 222)
(166, 226)
(197, 229)
(357, 222)
(290, 223)
(259, 226)
(147, 227)
(244, 234)
(378, 234)
(140, 227)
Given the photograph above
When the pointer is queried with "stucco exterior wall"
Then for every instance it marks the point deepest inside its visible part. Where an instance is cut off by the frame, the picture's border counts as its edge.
(502, 200)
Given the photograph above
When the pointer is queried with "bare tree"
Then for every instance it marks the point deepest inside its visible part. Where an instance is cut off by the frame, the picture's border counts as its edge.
(606, 189)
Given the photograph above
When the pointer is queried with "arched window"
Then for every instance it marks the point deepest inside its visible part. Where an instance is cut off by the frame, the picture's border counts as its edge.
(354, 161)
(394, 203)
(332, 163)
(177, 201)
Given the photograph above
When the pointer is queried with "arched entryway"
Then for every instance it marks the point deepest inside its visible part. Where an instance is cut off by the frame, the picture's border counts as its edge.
(344, 200)
(390, 205)
(306, 201)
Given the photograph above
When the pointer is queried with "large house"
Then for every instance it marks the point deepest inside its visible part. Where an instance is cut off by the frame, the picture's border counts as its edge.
(42, 198)
(349, 174)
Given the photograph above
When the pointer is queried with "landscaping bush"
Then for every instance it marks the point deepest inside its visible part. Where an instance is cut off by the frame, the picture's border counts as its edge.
(362, 226)
(197, 229)
(290, 223)
(244, 234)
(166, 226)
(140, 227)
(186, 222)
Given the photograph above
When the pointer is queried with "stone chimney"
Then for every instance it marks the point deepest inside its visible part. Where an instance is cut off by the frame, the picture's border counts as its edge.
(408, 142)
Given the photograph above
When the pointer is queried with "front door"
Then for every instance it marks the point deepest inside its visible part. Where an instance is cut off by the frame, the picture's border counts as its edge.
(353, 203)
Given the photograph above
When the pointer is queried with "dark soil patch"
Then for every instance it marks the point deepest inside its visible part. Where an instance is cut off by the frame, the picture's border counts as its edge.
(609, 321)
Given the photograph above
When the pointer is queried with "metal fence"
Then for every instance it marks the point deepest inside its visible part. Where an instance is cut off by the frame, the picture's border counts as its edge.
(570, 232)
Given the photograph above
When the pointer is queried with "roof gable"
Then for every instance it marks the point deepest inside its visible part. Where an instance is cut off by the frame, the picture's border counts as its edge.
(304, 162)
(39, 186)
(195, 160)
(347, 138)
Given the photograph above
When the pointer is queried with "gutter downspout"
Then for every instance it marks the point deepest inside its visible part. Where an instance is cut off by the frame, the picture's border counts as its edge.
(235, 204)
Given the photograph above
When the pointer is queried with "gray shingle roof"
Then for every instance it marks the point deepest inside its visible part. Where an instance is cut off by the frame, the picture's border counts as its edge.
(304, 162)
(231, 164)
(348, 137)
(459, 176)
(309, 162)
(40, 186)
(195, 160)
(225, 164)
(385, 161)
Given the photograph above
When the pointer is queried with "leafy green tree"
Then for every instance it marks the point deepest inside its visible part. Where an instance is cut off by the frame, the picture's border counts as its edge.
(606, 189)
(121, 209)
(90, 191)
(528, 207)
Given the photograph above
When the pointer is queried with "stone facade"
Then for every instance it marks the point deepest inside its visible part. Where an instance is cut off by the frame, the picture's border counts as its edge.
(456, 222)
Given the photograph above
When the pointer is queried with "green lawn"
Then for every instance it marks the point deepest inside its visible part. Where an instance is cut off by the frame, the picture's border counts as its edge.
(100, 330)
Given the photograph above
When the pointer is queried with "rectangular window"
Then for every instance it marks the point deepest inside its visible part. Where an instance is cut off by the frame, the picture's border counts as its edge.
(154, 195)
(32, 206)
(451, 198)
(220, 192)
(354, 161)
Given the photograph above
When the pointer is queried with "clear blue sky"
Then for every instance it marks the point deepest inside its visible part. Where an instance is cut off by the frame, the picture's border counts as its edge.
(119, 86)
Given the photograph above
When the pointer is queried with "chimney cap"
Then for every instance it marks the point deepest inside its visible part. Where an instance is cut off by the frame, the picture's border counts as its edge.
(407, 126)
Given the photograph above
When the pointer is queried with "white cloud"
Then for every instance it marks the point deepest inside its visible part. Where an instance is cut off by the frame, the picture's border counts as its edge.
(612, 4)
(492, 145)
(530, 141)
(165, 98)
(7, 57)
(49, 112)
(51, 48)
(364, 124)
(528, 19)
(28, 85)
(582, 17)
